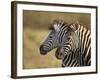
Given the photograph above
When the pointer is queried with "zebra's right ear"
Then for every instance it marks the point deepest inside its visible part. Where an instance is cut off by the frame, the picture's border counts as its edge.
(56, 28)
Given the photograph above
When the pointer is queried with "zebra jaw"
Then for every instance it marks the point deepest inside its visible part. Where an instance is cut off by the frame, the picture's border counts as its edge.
(59, 53)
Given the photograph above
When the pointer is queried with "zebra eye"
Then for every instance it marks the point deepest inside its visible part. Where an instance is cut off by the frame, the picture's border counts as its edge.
(68, 38)
(50, 36)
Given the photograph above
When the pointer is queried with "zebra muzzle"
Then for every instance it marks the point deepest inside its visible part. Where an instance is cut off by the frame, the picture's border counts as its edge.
(42, 51)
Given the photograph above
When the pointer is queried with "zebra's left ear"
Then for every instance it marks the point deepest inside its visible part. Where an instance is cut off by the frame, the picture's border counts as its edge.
(56, 28)
(73, 27)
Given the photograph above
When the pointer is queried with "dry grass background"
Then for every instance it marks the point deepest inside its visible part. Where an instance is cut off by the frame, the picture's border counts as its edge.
(36, 24)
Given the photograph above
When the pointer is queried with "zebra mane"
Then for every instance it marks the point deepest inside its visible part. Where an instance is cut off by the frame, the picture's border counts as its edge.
(73, 26)
(57, 24)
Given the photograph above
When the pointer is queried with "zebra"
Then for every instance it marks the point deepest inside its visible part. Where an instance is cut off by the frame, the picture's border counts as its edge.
(69, 58)
(73, 43)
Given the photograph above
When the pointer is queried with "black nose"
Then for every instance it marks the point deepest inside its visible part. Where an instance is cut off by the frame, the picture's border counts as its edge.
(42, 51)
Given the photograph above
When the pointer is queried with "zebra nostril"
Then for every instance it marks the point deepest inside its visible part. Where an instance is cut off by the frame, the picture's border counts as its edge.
(42, 51)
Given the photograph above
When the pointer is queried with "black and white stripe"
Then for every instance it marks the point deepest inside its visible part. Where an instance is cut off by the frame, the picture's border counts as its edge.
(72, 43)
(68, 55)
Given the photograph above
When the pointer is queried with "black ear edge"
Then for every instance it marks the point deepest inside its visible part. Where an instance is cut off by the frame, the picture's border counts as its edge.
(50, 28)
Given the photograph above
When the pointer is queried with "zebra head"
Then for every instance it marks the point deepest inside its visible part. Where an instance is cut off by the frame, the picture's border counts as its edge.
(57, 37)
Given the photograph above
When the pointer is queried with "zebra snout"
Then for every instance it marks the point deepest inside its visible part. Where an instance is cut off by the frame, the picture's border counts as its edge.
(42, 51)
(58, 53)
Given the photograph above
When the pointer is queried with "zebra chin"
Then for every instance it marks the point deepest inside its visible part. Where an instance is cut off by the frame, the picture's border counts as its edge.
(43, 53)
(58, 56)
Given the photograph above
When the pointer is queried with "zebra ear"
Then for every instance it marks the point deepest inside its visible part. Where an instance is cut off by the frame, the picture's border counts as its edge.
(73, 27)
(56, 28)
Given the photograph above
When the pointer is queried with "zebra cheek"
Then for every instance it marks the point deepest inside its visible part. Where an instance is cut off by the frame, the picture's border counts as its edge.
(57, 54)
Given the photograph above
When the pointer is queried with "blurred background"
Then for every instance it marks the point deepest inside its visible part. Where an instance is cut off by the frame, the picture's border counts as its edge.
(36, 28)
